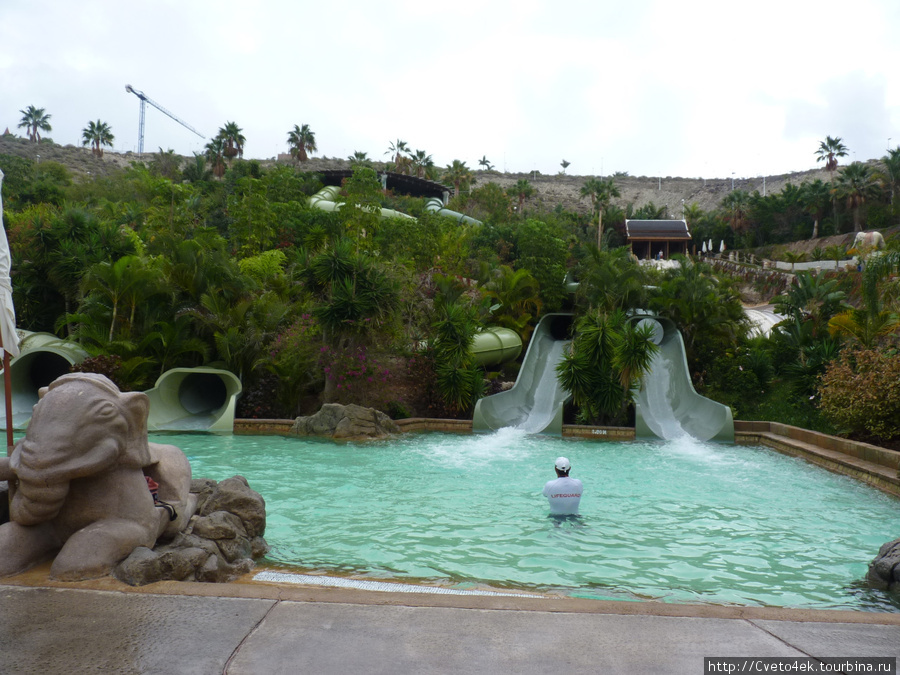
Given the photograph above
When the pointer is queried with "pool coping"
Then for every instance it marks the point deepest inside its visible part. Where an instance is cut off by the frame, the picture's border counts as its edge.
(246, 587)
(876, 466)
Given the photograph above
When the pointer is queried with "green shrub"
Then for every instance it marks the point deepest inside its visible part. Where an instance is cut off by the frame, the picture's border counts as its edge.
(860, 394)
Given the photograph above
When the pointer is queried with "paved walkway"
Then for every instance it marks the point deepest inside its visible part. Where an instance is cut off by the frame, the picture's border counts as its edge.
(258, 628)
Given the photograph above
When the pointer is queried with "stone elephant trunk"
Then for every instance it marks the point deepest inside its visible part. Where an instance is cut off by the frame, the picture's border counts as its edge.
(77, 481)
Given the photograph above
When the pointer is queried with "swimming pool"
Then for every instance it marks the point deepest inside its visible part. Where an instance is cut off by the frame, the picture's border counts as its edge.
(676, 521)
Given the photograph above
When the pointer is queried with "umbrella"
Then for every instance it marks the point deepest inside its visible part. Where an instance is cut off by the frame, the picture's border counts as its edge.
(704, 247)
(721, 246)
(9, 341)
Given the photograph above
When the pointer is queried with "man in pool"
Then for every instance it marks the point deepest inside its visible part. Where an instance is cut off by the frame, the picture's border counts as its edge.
(564, 493)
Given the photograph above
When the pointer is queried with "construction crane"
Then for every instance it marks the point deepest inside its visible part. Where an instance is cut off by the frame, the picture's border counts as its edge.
(145, 99)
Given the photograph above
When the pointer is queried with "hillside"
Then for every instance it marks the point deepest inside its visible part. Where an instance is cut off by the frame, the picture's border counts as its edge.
(551, 190)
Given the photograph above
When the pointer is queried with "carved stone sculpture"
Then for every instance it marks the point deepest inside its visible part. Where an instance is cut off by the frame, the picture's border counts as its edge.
(78, 482)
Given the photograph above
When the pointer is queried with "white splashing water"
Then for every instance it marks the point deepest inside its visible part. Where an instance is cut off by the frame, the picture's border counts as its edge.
(660, 414)
(548, 393)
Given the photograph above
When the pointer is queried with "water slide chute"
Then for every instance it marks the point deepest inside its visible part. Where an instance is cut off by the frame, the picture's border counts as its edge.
(496, 345)
(667, 405)
(435, 205)
(42, 358)
(194, 399)
(535, 402)
(326, 200)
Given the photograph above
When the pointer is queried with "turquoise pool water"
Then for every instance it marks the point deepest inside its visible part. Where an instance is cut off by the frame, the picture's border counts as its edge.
(676, 521)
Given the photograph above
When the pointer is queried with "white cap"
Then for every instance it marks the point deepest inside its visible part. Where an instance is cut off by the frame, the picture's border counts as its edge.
(563, 464)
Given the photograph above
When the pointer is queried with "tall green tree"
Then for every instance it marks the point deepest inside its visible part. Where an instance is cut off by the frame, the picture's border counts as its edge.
(215, 153)
(97, 134)
(35, 120)
(815, 197)
(396, 150)
(234, 139)
(302, 142)
(605, 365)
(459, 175)
(601, 192)
(522, 190)
(890, 171)
(829, 151)
(857, 184)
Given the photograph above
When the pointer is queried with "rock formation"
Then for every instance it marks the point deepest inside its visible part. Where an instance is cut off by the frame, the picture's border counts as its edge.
(219, 544)
(884, 571)
(346, 422)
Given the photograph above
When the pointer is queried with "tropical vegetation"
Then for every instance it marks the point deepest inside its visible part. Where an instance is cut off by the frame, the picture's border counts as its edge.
(218, 260)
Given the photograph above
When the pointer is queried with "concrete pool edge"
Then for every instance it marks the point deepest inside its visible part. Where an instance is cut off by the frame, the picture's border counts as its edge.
(876, 466)
(246, 588)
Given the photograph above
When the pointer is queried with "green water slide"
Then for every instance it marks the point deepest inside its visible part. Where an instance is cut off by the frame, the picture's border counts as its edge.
(194, 399)
(535, 402)
(326, 199)
(667, 405)
(42, 358)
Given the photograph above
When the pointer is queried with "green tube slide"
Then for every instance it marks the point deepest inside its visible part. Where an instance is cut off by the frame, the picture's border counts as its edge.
(194, 399)
(667, 405)
(535, 402)
(496, 345)
(326, 200)
(183, 398)
(42, 358)
(435, 205)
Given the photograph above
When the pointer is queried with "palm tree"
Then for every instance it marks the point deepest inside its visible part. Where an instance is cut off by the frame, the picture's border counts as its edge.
(517, 293)
(302, 140)
(829, 151)
(565, 165)
(97, 134)
(601, 192)
(359, 157)
(35, 120)
(890, 171)
(522, 190)
(485, 164)
(815, 197)
(737, 206)
(422, 163)
(793, 257)
(396, 149)
(234, 139)
(215, 153)
(857, 183)
(460, 175)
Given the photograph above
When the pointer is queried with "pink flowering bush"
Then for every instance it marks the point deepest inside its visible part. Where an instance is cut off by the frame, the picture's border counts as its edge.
(358, 376)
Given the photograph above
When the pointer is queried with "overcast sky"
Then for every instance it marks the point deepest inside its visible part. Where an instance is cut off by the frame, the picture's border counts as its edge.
(652, 87)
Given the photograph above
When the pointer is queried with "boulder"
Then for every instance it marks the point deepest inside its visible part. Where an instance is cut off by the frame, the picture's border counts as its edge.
(235, 496)
(346, 422)
(884, 570)
(219, 544)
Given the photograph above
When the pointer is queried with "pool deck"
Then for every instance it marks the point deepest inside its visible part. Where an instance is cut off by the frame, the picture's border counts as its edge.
(250, 627)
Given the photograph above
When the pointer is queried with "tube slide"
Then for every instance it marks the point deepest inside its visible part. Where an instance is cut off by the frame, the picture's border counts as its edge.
(496, 345)
(435, 205)
(667, 405)
(535, 402)
(194, 399)
(42, 358)
(326, 200)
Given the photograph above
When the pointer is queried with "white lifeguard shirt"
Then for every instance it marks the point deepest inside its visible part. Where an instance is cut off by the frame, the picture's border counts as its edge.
(564, 495)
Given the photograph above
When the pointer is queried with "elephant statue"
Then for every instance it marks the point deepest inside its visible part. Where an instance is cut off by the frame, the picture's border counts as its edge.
(80, 482)
(867, 243)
